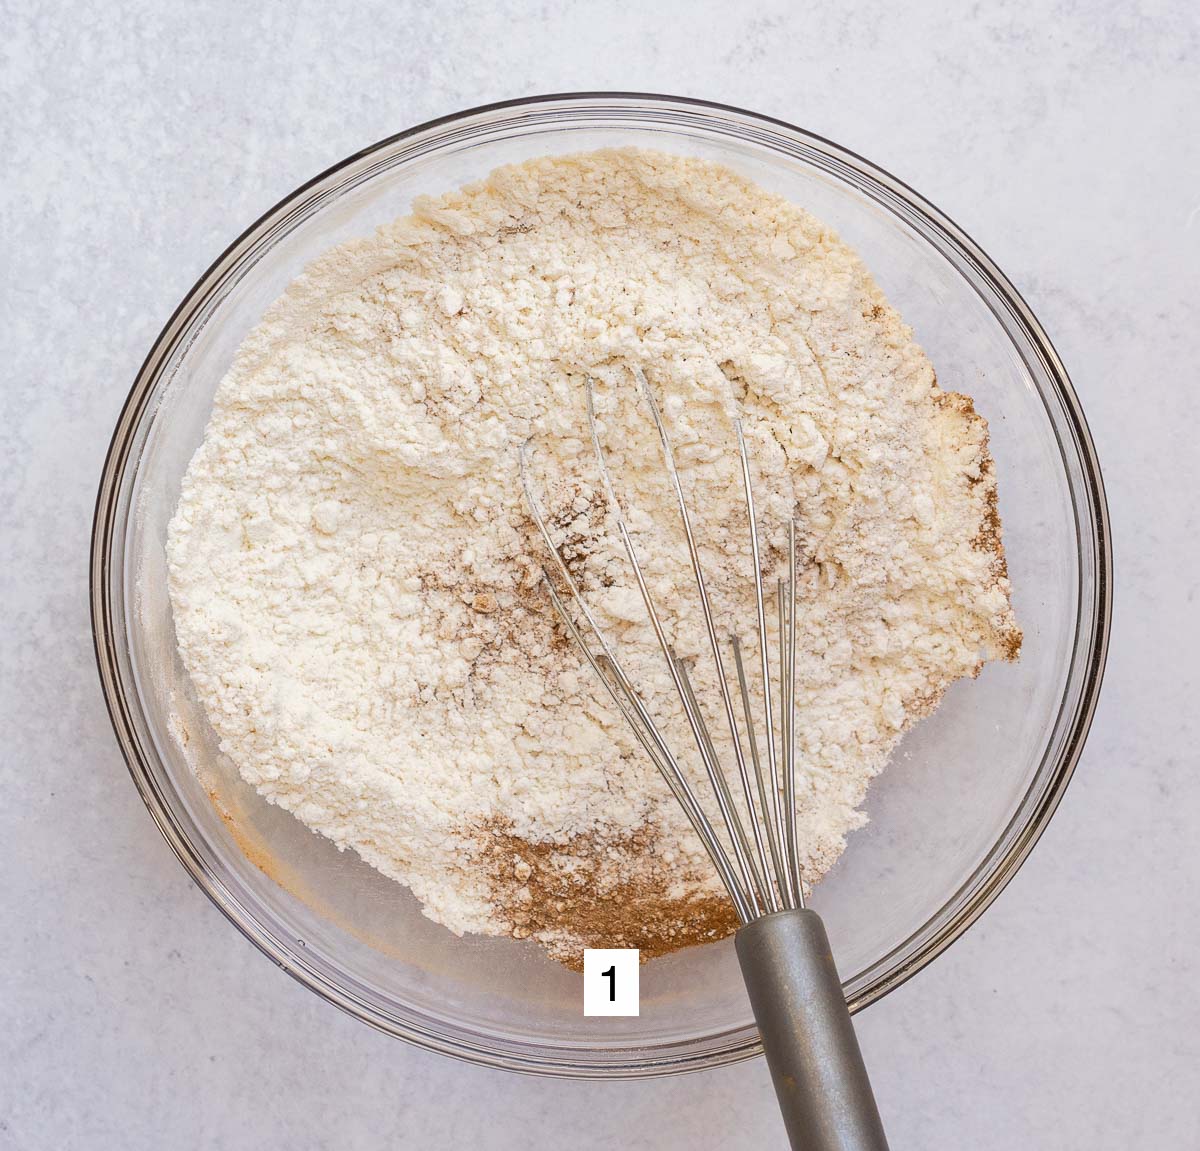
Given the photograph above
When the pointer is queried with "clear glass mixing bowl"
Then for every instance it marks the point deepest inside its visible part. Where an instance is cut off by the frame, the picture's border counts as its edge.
(967, 795)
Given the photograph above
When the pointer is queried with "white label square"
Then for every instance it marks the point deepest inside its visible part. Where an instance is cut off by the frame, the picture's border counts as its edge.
(610, 981)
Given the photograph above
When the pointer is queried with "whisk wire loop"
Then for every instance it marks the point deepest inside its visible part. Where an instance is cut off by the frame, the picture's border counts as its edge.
(773, 818)
(764, 876)
(631, 705)
(710, 626)
(712, 765)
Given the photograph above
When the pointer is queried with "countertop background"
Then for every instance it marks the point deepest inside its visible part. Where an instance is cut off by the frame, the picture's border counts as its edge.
(138, 139)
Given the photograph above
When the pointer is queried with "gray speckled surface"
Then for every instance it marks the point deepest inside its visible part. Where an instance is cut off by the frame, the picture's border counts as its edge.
(139, 139)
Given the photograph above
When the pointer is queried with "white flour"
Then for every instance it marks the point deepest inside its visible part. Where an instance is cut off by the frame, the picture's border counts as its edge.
(355, 578)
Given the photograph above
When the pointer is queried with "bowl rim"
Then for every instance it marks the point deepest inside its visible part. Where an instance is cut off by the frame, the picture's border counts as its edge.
(633, 1062)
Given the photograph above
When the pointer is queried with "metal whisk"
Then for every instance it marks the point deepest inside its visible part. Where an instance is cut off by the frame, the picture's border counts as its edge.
(784, 952)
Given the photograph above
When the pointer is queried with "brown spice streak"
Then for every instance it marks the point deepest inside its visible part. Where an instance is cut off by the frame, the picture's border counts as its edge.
(565, 894)
(989, 537)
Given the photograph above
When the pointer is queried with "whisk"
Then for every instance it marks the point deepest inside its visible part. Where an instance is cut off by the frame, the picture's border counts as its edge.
(792, 982)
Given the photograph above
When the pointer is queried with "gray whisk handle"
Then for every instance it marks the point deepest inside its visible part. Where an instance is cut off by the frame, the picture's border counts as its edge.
(811, 1048)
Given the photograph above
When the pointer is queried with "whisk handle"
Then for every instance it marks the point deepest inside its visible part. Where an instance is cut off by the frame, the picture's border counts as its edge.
(811, 1048)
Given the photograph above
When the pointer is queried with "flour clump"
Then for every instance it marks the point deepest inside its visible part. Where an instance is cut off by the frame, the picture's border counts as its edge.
(355, 578)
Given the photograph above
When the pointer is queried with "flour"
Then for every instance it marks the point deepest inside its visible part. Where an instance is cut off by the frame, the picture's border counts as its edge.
(356, 580)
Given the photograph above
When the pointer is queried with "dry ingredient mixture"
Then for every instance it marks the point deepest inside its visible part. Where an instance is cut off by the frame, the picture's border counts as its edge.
(356, 579)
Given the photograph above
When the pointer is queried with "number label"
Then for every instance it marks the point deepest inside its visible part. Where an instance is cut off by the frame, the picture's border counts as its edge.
(610, 981)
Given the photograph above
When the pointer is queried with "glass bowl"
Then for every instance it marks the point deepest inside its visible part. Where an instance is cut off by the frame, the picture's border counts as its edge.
(967, 795)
